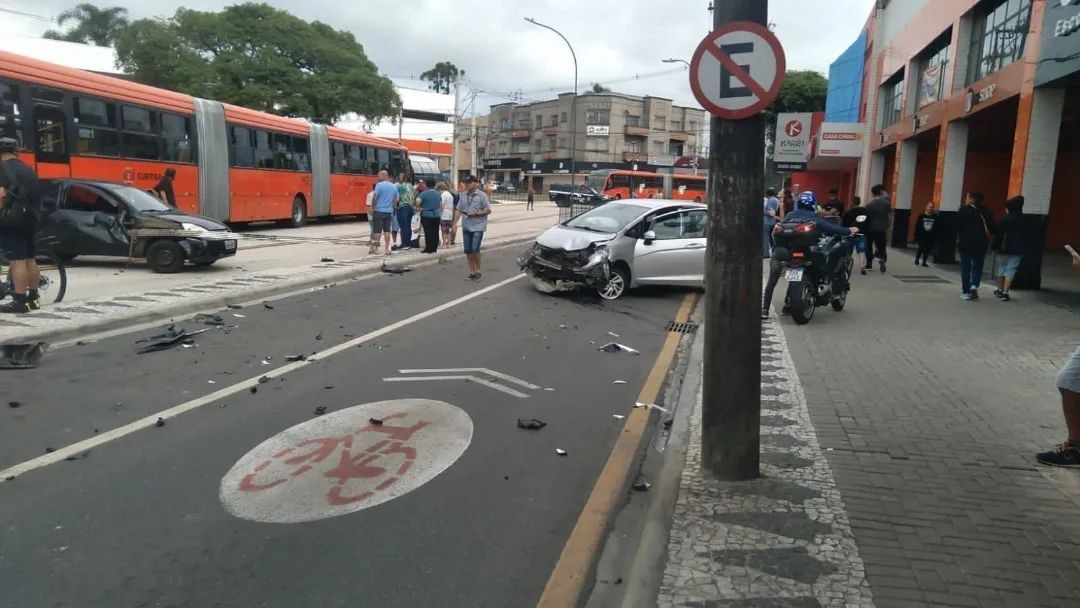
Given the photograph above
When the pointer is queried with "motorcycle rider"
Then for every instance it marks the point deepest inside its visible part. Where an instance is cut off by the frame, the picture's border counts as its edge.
(805, 212)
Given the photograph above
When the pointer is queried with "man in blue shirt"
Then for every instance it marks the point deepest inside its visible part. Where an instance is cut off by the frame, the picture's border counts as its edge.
(430, 201)
(386, 197)
(772, 215)
(473, 210)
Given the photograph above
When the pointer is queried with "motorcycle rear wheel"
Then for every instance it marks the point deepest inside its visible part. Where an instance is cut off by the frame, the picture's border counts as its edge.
(801, 299)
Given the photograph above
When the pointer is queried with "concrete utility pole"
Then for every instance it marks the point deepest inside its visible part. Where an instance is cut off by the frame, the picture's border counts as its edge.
(731, 408)
(475, 135)
(454, 148)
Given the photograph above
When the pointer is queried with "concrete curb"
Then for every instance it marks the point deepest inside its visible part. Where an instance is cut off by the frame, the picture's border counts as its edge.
(211, 301)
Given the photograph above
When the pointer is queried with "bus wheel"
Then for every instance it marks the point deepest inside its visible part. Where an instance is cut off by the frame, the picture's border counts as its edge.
(299, 213)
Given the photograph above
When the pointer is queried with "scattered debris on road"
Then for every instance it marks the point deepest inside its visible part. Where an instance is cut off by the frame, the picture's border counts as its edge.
(651, 406)
(22, 356)
(239, 316)
(292, 358)
(253, 390)
(14, 404)
(531, 424)
(78, 456)
(560, 451)
(319, 411)
(619, 382)
(642, 486)
(614, 347)
(173, 337)
(618, 416)
(613, 334)
(50, 450)
(268, 306)
(668, 423)
(205, 319)
(160, 422)
(235, 306)
(376, 421)
(319, 337)
(264, 379)
(326, 260)
(85, 342)
(395, 269)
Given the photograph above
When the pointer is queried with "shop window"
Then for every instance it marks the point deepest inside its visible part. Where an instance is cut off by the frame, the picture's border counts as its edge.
(998, 36)
(892, 94)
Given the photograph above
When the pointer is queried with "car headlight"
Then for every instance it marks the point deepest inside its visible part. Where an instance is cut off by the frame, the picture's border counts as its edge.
(597, 257)
(192, 227)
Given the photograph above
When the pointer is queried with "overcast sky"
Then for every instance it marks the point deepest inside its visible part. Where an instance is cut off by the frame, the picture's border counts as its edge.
(615, 40)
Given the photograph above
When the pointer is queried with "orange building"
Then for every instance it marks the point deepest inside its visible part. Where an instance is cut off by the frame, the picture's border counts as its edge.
(974, 95)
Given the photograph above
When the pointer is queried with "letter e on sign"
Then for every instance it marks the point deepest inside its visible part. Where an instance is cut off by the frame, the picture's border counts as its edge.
(737, 70)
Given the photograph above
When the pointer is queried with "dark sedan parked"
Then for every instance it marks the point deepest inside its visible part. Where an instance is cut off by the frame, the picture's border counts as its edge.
(107, 219)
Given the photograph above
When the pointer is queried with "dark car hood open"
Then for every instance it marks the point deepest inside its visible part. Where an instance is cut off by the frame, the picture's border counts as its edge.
(174, 219)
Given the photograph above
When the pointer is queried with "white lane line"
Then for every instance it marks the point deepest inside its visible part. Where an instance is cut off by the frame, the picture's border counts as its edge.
(473, 370)
(103, 438)
(487, 383)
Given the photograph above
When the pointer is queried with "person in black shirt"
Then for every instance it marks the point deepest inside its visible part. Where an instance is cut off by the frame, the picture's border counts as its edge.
(974, 227)
(924, 233)
(1009, 244)
(20, 204)
(877, 210)
(856, 218)
(834, 206)
(164, 188)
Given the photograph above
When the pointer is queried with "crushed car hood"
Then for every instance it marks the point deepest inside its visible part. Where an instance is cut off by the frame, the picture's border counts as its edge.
(173, 220)
(570, 239)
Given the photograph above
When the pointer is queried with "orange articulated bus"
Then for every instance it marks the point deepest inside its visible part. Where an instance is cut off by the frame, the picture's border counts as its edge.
(619, 184)
(232, 164)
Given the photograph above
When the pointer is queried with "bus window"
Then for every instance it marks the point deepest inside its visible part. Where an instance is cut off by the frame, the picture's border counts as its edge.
(264, 153)
(283, 158)
(176, 139)
(138, 139)
(301, 157)
(618, 180)
(372, 162)
(397, 163)
(339, 162)
(10, 119)
(382, 157)
(95, 123)
(47, 95)
(241, 153)
(49, 134)
(357, 162)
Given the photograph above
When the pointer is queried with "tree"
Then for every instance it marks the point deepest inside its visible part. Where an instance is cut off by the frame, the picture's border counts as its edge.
(91, 25)
(802, 91)
(441, 77)
(260, 57)
(599, 88)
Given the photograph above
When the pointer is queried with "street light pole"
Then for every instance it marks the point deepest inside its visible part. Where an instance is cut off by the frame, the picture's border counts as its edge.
(731, 400)
(573, 101)
(673, 60)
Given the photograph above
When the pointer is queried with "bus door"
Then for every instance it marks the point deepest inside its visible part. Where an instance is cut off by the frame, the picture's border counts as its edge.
(50, 141)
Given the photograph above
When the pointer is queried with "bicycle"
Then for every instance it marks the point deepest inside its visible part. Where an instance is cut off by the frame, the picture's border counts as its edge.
(53, 282)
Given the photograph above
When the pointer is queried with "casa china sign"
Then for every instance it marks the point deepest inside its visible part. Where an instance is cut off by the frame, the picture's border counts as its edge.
(841, 140)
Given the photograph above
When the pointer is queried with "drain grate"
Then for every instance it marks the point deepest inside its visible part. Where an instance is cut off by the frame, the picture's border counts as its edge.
(924, 279)
(682, 328)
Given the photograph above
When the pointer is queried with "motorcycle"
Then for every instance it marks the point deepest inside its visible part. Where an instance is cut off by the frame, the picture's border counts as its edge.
(818, 269)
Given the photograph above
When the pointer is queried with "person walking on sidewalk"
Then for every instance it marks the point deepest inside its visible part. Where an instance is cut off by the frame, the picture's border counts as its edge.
(924, 234)
(404, 211)
(877, 225)
(772, 216)
(430, 204)
(386, 198)
(473, 210)
(530, 205)
(20, 207)
(974, 227)
(446, 212)
(1009, 246)
(1068, 382)
(856, 218)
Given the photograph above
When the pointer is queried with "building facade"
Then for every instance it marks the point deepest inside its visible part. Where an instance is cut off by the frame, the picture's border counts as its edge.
(534, 141)
(973, 95)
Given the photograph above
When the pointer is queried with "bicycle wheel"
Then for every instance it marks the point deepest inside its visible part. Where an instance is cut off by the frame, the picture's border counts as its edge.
(53, 283)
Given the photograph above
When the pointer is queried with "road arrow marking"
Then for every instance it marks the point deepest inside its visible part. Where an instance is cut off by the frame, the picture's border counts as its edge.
(473, 370)
(487, 383)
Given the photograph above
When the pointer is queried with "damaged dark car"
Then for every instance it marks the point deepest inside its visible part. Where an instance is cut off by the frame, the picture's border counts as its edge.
(98, 218)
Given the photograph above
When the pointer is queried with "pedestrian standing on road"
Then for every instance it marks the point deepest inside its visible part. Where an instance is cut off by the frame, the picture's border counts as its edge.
(164, 188)
(457, 217)
(1068, 381)
(925, 227)
(772, 216)
(473, 211)
(1009, 246)
(529, 206)
(20, 208)
(430, 212)
(856, 218)
(446, 213)
(404, 212)
(877, 212)
(974, 227)
(373, 243)
(386, 198)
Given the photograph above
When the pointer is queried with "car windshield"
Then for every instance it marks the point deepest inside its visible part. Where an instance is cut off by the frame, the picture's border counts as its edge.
(137, 199)
(608, 218)
(597, 181)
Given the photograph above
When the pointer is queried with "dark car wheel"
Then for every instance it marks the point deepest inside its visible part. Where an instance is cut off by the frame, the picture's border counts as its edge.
(165, 257)
(299, 213)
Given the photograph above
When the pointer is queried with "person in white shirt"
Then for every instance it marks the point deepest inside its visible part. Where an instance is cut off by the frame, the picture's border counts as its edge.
(446, 213)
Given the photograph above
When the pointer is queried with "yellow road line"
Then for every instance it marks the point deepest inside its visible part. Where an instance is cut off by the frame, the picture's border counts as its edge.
(567, 581)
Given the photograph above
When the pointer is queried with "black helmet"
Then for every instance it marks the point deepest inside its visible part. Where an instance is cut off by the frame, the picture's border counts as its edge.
(8, 145)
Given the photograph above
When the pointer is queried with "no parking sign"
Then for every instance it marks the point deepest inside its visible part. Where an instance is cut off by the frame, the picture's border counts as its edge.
(737, 70)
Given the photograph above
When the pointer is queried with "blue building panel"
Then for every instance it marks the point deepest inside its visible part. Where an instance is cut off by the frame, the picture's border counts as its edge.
(845, 83)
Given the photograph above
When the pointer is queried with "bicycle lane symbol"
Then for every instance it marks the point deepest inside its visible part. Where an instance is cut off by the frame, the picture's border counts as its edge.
(342, 463)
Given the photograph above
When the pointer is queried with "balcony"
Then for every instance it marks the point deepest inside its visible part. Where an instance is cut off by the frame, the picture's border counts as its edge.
(682, 136)
(637, 131)
(550, 129)
(520, 134)
(552, 155)
(635, 157)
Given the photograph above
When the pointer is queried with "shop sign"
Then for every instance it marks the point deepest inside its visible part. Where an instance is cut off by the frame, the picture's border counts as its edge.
(792, 138)
(597, 130)
(841, 140)
(1060, 48)
(930, 85)
(975, 98)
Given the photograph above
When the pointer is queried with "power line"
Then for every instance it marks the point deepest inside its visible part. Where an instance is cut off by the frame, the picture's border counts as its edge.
(25, 14)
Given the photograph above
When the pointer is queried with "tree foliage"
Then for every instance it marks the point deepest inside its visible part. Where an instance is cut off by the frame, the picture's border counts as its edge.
(802, 91)
(91, 25)
(599, 88)
(260, 57)
(441, 77)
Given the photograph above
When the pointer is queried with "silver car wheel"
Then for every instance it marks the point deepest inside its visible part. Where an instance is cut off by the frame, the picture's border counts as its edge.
(615, 287)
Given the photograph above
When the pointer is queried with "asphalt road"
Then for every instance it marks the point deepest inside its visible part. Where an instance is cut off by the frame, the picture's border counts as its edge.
(146, 519)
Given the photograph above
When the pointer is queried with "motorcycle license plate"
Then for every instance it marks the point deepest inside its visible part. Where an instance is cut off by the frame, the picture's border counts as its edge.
(794, 274)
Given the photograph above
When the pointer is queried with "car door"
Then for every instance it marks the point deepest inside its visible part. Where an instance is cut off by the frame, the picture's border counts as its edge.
(677, 255)
(88, 222)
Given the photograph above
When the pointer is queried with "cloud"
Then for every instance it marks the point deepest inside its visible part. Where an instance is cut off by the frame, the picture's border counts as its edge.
(615, 40)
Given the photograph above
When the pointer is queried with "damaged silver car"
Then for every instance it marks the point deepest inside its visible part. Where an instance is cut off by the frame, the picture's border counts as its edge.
(620, 245)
